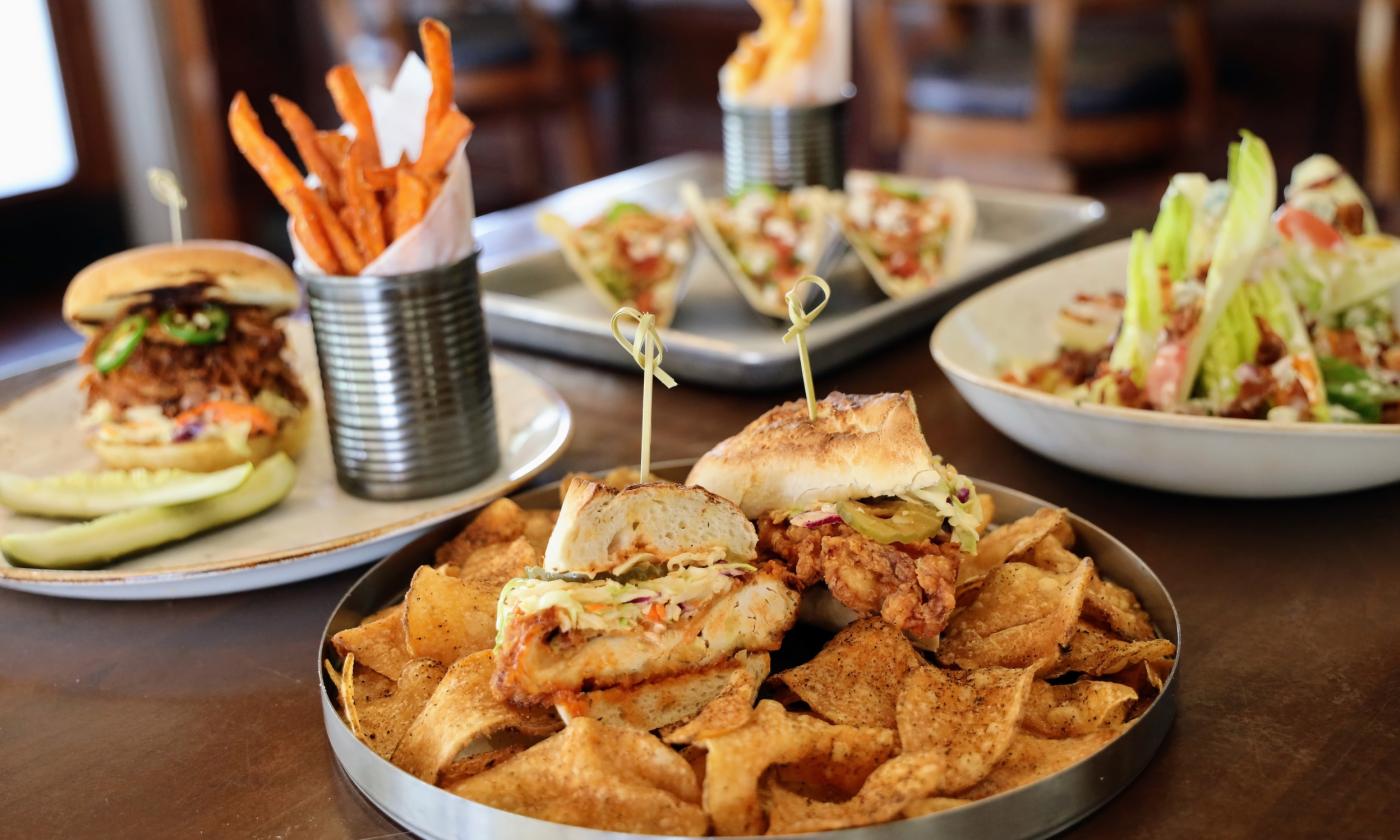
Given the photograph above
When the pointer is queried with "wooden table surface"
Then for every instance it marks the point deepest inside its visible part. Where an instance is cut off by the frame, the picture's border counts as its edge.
(202, 717)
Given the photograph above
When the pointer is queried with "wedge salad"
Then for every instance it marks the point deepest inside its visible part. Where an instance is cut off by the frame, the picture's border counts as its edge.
(1238, 307)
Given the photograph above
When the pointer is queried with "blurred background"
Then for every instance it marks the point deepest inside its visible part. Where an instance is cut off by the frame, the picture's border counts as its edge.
(1103, 97)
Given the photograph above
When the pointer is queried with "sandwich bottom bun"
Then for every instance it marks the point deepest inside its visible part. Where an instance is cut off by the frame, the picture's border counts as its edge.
(207, 454)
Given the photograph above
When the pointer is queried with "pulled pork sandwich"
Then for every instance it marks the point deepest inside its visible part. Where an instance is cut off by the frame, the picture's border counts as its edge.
(854, 500)
(188, 362)
(656, 580)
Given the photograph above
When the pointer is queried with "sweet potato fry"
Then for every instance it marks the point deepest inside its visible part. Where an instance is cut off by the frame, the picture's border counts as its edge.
(346, 252)
(303, 133)
(364, 211)
(309, 232)
(410, 201)
(438, 146)
(334, 147)
(354, 108)
(437, 52)
(276, 169)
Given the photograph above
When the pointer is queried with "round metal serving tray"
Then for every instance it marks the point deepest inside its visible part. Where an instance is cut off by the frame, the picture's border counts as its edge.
(1036, 810)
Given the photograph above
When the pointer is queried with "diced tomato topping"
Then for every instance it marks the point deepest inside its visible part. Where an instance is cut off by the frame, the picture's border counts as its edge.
(1298, 225)
(1165, 373)
(903, 264)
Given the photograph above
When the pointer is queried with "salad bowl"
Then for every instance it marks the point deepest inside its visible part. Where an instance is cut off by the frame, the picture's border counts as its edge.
(1010, 322)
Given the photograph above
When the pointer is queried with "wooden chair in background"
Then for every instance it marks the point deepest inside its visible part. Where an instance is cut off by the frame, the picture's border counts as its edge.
(518, 69)
(1028, 108)
(1375, 54)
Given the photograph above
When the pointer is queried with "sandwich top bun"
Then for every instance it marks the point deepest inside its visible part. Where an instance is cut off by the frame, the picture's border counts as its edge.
(231, 272)
(859, 446)
(601, 529)
(204, 454)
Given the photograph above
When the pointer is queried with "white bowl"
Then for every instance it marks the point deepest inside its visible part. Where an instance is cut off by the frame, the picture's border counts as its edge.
(1207, 456)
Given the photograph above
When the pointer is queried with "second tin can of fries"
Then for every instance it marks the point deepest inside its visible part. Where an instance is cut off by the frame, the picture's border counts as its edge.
(786, 147)
(406, 369)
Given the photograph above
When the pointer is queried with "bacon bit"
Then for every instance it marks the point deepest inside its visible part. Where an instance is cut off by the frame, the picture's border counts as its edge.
(1271, 346)
(1351, 218)
(1343, 345)
(226, 411)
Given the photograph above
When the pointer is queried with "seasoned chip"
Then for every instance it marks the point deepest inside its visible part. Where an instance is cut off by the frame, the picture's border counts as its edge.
(889, 788)
(1104, 601)
(825, 782)
(1014, 539)
(446, 618)
(378, 644)
(855, 680)
(467, 766)
(1021, 617)
(1031, 758)
(1118, 609)
(731, 709)
(988, 505)
(1090, 650)
(931, 805)
(596, 776)
(380, 717)
(662, 702)
(378, 614)
(461, 710)
(736, 760)
(502, 521)
(967, 717)
(1079, 708)
(492, 566)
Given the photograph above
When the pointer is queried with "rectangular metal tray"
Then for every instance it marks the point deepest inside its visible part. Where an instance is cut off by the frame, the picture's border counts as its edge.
(533, 301)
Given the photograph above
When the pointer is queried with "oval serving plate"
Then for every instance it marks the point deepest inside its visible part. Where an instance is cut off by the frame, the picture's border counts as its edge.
(1208, 456)
(318, 530)
(1036, 810)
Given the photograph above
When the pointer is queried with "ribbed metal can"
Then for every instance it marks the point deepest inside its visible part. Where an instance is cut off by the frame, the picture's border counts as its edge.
(787, 147)
(406, 370)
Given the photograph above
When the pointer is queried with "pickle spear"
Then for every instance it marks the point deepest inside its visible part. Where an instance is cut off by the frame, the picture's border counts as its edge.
(88, 495)
(87, 545)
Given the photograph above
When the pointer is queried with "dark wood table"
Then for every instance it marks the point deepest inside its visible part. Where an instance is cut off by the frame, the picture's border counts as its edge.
(201, 717)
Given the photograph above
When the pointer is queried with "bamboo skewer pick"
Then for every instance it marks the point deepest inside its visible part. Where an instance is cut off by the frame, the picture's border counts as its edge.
(647, 351)
(166, 189)
(801, 320)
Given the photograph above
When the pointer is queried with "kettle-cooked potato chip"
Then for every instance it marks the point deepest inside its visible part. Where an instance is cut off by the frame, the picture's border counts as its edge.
(461, 710)
(446, 618)
(1090, 650)
(470, 765)
(856, 678)
(1013, 540)
(735, 761)
(1031, 758)
(1079, 708)
(728, 711)
(1020, 617)
(596, 776)
(380, 716)
(967, 717)
(669, 700)
(503, 521)
(377, 644)
(1104, 601)
(889, 788)
(931, 805)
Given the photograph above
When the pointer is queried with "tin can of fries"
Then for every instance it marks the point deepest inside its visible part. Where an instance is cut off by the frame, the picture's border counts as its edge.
(406, 370)
(786, 147)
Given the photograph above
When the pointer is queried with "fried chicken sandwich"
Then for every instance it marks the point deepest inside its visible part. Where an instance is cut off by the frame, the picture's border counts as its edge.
(854, 500)
(651, 581)
(188, 368)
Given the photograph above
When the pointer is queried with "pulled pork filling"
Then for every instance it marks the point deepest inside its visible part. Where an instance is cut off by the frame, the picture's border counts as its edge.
(175, 376)
(909, 585)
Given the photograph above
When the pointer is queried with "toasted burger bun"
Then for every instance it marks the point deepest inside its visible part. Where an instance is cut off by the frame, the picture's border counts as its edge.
(230, 272)
(601, 529)
(530, 669)
(859, 446)
(204, 455)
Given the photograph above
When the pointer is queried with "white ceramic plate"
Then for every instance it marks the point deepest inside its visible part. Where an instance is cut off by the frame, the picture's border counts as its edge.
(1208, 456)
(317, 530)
